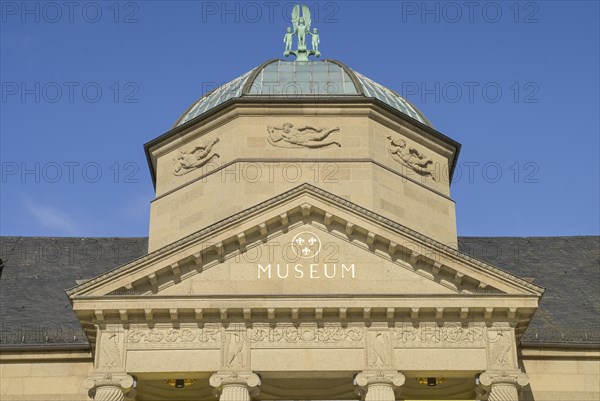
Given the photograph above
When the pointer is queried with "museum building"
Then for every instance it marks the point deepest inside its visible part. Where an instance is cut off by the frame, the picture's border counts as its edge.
(302, 246)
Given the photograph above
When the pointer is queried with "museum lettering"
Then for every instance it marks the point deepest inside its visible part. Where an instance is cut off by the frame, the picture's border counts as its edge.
(309, 271)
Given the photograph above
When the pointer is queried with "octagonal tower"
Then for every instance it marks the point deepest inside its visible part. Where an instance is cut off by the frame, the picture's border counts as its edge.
(291, 123)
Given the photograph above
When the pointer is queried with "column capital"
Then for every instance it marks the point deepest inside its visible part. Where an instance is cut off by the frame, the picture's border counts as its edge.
(503, 386)
(378, 385)
(121, 380)
(247, 379)
(235, 386)
(109, 386)
(516, 378)
(392, 378)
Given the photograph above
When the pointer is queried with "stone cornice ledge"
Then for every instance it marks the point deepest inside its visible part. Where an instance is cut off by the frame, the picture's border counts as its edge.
(307, 189)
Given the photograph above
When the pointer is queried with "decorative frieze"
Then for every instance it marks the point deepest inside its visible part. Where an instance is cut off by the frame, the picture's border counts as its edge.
(258, 334)
(305, 334)
(211, 332)
(449, 334)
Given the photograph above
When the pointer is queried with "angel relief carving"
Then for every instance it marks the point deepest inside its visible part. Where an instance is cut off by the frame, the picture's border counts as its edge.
(411, 157)
(288, 136)
(198, 156)
(500, 349)
(378, 349)
(110, 355)
(234, 351)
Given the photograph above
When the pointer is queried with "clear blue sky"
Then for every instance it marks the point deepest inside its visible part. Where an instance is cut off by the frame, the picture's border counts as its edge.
(151, 59)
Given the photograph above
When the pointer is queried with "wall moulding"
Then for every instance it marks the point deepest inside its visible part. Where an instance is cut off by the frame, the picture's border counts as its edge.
(313, 334)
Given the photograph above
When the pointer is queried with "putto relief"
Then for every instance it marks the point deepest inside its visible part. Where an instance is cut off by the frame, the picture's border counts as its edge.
(289, 136)
(196, 157)
(411, 157)
(329, 333)
(430, 334)
(211, 332)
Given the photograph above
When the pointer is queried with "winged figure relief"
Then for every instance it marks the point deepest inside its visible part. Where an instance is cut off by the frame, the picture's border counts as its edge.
(288, 136)
(110, 351)
(378, 350)
(410, 157)
(234, 354)
(198, 156)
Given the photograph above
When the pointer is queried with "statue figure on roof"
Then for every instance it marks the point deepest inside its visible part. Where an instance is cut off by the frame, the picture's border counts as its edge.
(315, 40)
(301, 24)
(287, 39)
(301, 27)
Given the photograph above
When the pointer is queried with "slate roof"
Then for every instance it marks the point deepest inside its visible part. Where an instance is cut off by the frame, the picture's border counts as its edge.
(34, 308)
(37, 270)
(569, 269)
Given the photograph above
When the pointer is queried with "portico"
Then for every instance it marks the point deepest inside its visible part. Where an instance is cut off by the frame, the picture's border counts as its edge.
(202, 313)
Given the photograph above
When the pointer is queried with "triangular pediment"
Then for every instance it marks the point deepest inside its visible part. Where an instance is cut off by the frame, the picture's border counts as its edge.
(226, 258)
(304, 260)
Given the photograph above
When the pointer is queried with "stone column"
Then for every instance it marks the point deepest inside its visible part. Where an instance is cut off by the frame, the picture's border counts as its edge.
(109, 386)
(379, 385)
(235, 386)
(503, 386)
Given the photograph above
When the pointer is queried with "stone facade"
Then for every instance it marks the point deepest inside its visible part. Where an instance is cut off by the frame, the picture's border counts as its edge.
(249, 169)
(303, 251)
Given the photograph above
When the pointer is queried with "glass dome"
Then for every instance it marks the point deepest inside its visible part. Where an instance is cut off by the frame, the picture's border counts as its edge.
(280, 79)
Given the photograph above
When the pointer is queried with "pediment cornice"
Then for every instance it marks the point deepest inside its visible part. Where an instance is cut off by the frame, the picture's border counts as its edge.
(377, 234)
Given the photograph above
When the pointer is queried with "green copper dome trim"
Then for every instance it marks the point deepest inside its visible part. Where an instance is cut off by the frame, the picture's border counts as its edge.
(309, 80)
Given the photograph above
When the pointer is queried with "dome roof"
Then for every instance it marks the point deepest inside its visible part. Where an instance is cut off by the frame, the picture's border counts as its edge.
(296, 79)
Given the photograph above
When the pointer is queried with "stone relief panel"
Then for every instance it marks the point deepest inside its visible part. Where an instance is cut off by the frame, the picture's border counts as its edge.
(501, 349)
(411, 157)
(305, 335)
(210, 335)
(110, 355)
(289, 136)
(431, 335)
(378, 349)
(237, 339)
(235, 350)
(196, 157)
